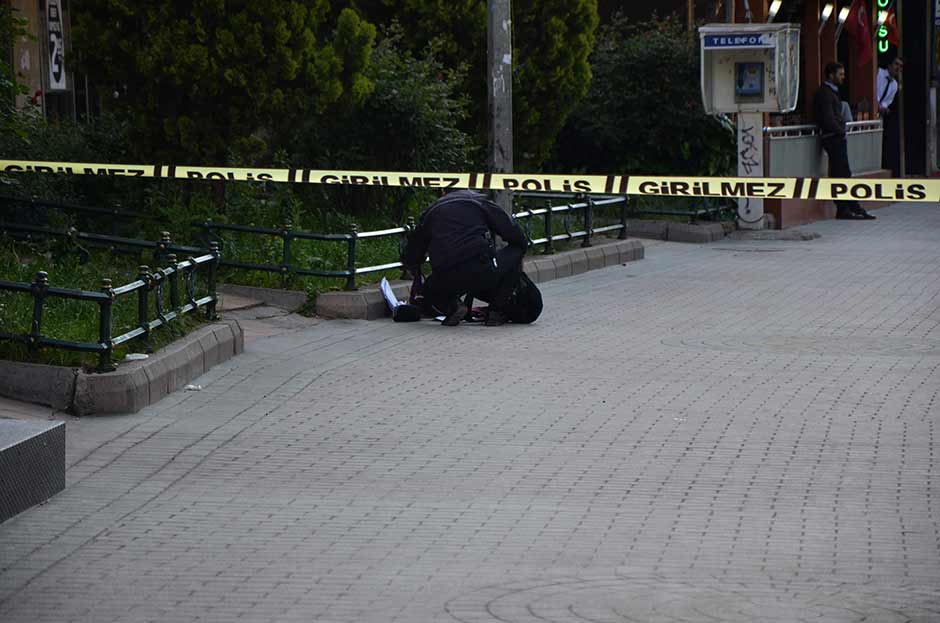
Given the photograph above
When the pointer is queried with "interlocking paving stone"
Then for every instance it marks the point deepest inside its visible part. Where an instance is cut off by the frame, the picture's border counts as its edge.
(738, 431)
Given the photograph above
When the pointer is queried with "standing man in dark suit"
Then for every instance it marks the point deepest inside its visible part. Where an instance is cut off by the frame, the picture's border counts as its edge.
(827, 104)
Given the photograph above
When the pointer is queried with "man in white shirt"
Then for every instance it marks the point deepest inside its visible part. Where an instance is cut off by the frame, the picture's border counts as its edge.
(887, 93)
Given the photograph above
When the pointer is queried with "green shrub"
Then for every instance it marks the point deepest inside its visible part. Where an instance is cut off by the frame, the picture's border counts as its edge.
(643, 113)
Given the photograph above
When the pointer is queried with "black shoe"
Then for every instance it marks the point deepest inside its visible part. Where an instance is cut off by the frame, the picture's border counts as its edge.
(848, 215)
(494, 319)
(454, 318)
(861, 213)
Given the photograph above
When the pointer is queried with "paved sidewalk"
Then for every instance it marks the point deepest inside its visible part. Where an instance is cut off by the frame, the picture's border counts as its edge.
(739, 431)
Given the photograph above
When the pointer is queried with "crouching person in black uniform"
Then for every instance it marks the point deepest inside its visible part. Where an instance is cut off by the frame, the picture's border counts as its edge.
(457, 232)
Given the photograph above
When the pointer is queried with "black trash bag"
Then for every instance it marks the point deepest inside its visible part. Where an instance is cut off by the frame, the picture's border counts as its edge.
(525, 303)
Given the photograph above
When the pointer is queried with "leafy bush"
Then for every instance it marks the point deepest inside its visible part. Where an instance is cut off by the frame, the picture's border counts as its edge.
(643, 113)
(202, 81)
(411, 122)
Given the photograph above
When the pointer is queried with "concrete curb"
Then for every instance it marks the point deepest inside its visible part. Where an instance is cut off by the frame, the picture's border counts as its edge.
(53, 386)
(131, 387)
(676, 232)
(370, 305)
(291, 300)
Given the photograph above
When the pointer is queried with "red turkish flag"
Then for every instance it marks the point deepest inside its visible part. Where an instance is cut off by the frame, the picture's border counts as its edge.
(860, 30)
(891, 23)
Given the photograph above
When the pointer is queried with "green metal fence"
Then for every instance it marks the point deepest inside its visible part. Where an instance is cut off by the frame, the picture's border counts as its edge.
(149, 291)
(564, 217)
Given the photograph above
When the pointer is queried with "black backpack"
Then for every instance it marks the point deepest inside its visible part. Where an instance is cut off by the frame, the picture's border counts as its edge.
(525, 303)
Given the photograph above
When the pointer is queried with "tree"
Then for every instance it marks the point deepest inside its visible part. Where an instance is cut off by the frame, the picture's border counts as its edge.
(211, 81)
(643, 113)
(12, 26)
(552, 40)
(410, 122)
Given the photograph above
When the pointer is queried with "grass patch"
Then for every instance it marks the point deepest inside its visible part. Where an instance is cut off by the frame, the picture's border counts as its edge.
(75, 320)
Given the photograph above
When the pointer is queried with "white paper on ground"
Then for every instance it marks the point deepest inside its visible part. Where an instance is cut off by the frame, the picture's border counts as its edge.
(388, 294)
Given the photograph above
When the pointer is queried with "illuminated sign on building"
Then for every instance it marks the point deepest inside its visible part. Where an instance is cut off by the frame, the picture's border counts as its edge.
(887, 21)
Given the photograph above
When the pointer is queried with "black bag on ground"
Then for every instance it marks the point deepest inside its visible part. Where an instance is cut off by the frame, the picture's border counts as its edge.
(406, 313)
(525, 303)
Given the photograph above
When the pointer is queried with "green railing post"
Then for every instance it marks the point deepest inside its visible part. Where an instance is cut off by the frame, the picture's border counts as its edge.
(351, 258)
(38, 288)
(588, 222)
(143, 320)
(210, 281)
(174, 282)
(549, 243)
(163, 248)
(104, 328)
(190, 279)
(409, 228)
(286, 259)
(623, 218)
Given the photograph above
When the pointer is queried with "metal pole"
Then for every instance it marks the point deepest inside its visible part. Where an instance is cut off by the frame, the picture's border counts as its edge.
(143, 274)
(210, 281)
(900, 95)
(351, 257)
(39, 287)
(105, 364)
(499, 92)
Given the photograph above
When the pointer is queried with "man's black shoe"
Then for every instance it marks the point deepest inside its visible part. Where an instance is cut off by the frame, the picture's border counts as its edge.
(849, 215)
(864, 214)
(454, 318)
(494, 318)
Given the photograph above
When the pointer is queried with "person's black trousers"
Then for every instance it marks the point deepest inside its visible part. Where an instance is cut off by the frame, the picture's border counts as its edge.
(837, 149)
(891, 143)
(480, 277)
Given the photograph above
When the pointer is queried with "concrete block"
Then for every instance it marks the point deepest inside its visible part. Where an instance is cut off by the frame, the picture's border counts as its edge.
(546, 268)
(210, 346)
(532, 270)
(225, 336)
(158, 374)
(42, 384)
(290, 300)
(184, 363)
(239, 334)
(595, 257)
(375, 305)
(125, 390)
(630, 250)
(695, 232)
(611, 254)
(341, 304)
(578, 261)
(32, 464)
(656, 230)
(562, 266)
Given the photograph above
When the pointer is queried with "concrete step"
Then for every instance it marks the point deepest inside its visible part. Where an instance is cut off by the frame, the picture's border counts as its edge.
(32, 464)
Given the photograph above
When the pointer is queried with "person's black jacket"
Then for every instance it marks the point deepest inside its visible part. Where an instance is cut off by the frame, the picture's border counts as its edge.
(456, 228)
(827, 106)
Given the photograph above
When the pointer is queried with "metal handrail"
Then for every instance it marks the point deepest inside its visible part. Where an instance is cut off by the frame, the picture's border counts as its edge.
(790, 131)
(146, 282)
(576, 202)
(287, 234)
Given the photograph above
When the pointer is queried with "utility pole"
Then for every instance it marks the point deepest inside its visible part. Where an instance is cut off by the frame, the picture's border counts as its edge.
(499, 90)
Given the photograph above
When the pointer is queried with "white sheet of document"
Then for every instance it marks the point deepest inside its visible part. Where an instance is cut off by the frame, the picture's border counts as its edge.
(388, 294)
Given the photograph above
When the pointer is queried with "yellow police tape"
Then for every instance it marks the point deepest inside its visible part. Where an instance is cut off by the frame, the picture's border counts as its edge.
(729, 187)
